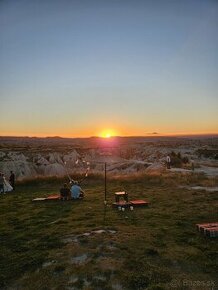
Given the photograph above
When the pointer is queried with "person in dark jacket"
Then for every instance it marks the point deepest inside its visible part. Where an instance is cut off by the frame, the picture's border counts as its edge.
(2, 183)
(65, 192)
(12, 180)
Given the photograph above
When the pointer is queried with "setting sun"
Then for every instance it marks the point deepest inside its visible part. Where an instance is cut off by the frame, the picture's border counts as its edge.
(107, 134)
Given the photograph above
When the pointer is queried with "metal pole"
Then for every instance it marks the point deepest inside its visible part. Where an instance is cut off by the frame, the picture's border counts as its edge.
(105, 182)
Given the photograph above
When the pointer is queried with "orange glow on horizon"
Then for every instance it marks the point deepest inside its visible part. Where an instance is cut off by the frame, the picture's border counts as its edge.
(107, 133)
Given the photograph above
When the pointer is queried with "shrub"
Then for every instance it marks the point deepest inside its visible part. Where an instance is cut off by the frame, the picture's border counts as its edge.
(176, 161)
(185, 160)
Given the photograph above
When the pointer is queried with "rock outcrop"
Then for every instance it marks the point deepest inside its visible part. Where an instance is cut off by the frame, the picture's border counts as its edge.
(128, 158)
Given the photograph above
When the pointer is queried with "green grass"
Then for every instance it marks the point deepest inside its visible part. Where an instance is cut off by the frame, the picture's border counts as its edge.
(152, 247)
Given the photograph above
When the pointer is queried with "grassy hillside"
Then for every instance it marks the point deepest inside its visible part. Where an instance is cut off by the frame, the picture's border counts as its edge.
(60, 245)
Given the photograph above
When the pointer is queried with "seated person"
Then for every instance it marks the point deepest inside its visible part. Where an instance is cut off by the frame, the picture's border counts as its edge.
(65, 192)
(76, 191)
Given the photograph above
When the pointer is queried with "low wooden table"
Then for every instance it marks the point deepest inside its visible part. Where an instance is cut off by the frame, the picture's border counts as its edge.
(121, 204)
(120, 194)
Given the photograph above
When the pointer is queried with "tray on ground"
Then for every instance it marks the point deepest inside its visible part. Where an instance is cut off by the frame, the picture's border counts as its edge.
(139, 202)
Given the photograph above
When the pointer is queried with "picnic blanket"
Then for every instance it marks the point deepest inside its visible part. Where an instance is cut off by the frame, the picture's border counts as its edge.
(50, 197)
(134, 203)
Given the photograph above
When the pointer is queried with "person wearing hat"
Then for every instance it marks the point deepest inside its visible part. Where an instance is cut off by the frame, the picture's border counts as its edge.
(76, 191)
(65, 192)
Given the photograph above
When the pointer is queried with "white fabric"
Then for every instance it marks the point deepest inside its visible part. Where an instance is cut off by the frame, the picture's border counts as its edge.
(7, 186)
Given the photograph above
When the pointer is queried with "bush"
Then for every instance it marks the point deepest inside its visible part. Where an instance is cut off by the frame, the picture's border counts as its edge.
(176, 161)
(185, 160)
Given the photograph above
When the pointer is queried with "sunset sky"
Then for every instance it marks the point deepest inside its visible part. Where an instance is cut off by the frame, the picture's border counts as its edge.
(84, 68)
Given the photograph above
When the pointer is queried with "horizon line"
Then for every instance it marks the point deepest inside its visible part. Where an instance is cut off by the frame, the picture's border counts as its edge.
(115, 136)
